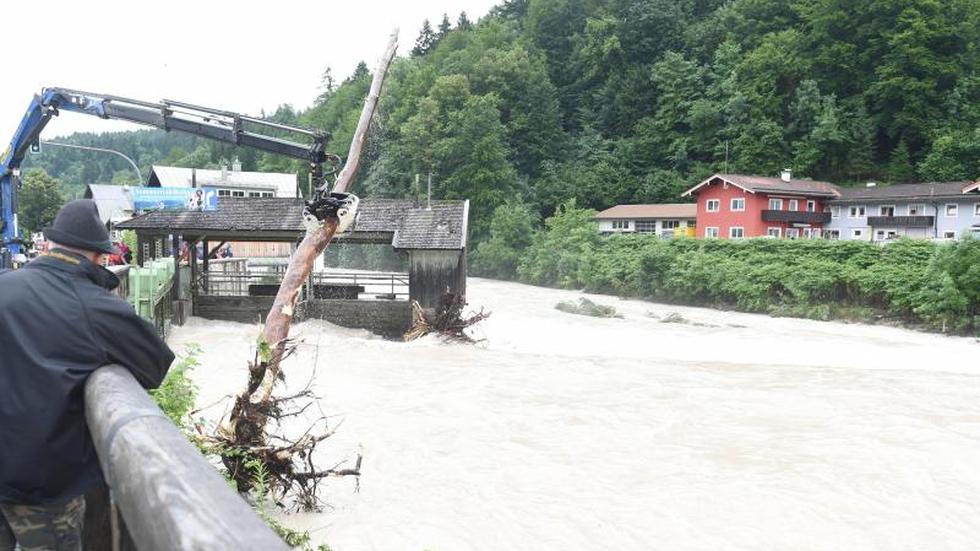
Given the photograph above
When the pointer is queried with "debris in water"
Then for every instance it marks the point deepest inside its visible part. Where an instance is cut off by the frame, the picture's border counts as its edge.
(448, 320)
(586, 307)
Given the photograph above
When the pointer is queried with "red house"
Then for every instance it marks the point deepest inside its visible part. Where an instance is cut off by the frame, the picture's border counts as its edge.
(735, 206)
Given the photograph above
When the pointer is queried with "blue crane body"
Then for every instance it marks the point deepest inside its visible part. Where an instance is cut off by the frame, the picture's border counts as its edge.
(224, 126)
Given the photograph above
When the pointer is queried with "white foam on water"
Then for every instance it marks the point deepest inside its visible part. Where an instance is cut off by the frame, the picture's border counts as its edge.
(564, 432)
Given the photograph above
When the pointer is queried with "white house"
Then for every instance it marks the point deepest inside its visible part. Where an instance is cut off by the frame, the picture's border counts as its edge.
(229, 183)
(666, 220)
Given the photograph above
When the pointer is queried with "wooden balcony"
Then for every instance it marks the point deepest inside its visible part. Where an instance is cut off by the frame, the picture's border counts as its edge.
(795, 216)
(901, 221)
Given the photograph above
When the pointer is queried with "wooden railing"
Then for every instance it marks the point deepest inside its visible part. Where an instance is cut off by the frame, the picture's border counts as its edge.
(169, 496)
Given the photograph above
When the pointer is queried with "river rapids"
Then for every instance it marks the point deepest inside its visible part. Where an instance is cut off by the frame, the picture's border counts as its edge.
(560, 432)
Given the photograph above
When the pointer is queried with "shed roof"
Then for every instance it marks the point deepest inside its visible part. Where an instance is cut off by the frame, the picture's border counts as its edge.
(765, 184)
(409, 227)
(923, 191)
(284, 184)
(664, 210)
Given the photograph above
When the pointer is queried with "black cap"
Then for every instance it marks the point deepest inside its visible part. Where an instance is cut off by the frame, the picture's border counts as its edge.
(78, 225)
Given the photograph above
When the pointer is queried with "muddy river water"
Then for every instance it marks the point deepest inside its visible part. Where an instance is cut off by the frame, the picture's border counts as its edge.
(563, 432)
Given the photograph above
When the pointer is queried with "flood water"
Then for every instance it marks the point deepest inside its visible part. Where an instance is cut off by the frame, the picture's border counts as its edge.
(563, 432)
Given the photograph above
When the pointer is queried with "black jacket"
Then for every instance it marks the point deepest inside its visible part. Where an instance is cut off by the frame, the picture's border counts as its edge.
(58, 324)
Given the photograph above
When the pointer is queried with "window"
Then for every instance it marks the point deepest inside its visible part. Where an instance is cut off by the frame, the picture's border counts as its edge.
(738, 204)
(917, 210)
(886, 210)
(811, 233)
(774, 232)
(224, 193)
(775, 204)
(831, 234)
(835, 212)
(621, 224)
(254, 194)
(711, 232)
(646, 226)
(976, 209)
(856, 212)
(792, 233)
(857, 234)
(794, 204)
(713, 205)
(268, 194)
(237, 193)
(952, 209)
(811, 206)
(670, 224)
(949, 235)
(736, 232)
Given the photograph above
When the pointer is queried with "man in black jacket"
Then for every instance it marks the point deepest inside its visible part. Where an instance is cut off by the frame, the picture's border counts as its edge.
(58, 324)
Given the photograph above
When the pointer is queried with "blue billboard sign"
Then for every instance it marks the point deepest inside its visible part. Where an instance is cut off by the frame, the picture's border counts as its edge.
(175, 198)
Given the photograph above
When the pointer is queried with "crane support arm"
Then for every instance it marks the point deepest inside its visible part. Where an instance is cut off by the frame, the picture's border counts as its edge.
(223, 126)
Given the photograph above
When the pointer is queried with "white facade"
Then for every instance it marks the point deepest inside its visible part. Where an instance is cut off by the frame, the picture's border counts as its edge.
(664, 227)
(882, 219)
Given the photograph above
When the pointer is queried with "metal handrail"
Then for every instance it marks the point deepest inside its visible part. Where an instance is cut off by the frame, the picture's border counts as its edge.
(168, 494)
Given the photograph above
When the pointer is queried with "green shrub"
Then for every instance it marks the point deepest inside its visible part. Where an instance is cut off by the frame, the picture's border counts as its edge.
(917, 281)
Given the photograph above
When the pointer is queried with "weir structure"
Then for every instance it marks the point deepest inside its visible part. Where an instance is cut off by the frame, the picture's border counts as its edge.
(431, 237)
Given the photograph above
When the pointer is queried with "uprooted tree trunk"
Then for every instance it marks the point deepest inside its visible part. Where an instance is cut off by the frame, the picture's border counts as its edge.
(448, 320)
(245, 436)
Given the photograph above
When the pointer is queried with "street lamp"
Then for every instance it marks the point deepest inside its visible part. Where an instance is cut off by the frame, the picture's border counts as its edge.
(139, 175)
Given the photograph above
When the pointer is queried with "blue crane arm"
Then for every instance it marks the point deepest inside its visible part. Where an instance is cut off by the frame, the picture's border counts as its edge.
(223, 126)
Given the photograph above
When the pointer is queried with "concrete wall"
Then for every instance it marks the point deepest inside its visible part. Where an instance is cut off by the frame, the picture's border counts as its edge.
(390, 318)
(240, 309)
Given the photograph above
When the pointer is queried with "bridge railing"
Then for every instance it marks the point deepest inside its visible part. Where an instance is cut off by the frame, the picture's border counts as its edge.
(167, 493)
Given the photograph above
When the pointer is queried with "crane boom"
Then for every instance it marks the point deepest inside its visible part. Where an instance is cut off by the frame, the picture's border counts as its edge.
(223, 126)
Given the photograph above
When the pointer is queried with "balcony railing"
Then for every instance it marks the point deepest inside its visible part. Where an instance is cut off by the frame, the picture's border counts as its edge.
(901, 221)
(795, 216)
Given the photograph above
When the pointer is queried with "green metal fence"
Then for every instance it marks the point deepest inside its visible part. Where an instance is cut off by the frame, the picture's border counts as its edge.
(151, 291)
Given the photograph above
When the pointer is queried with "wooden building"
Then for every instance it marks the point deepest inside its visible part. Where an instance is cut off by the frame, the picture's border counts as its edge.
(431, 238)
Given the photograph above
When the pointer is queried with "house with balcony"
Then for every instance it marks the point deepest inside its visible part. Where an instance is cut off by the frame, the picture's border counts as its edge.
(935, 210)
(666, 220)
(737, 206)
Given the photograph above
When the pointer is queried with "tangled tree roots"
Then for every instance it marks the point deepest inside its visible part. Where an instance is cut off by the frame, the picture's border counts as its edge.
(448, 321)
(251, 458)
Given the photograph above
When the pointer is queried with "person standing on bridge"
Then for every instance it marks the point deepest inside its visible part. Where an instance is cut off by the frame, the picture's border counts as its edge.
(58, 324)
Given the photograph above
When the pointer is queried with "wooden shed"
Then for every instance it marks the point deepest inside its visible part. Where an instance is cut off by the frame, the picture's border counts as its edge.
(432, 238)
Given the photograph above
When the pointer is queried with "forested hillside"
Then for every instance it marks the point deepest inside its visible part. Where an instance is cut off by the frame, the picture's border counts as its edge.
(635, 100)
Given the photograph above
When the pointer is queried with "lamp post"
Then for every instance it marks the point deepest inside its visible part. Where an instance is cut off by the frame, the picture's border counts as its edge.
(139, 175)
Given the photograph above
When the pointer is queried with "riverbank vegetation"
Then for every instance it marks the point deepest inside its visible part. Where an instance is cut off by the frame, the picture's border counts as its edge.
(917, 282)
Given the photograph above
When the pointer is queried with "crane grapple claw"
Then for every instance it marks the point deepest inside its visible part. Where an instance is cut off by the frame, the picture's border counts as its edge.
(342, 206)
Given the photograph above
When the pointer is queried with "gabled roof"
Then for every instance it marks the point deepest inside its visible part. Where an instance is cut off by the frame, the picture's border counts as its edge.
(924, 191)
(284, 184)
(409, 227)
(764, 184)
(114, 202)
(663, 210)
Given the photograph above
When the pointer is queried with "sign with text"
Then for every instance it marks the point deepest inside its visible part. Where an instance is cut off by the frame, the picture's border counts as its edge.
(175, 198)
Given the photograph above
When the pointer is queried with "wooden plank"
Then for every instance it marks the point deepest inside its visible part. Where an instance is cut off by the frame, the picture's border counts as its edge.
(168, 494)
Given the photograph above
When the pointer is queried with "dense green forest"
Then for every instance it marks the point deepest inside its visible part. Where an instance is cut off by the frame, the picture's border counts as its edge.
(634, 100)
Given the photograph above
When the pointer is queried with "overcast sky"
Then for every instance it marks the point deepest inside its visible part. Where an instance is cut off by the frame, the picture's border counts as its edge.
(238, 56)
